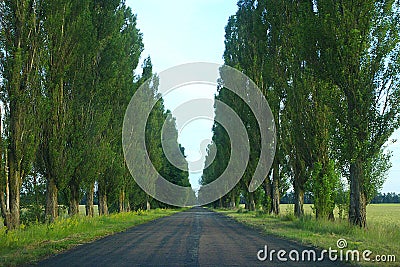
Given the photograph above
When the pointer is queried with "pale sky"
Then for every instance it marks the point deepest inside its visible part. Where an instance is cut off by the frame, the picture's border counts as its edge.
(184, 31)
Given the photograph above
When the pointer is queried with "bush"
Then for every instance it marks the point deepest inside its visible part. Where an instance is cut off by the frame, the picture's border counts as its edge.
(261, 213)
(32, 214)
(289, 217)
(242, 210)
(140, 212)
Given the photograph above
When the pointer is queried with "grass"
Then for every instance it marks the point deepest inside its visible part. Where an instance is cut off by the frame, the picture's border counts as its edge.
(30, 244)
(382, 236)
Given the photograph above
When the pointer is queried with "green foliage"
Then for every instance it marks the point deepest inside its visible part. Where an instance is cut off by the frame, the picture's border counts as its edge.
(324, 183)
(260, 213)
(376, 171)
(342, 200)
(329, 71)
(67, 75)
(33, 198)
(289, 217)
(21, 87)
(359, 53)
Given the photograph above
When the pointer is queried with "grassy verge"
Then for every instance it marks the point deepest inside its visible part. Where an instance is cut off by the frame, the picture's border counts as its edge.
(35, 242)
(382, 236)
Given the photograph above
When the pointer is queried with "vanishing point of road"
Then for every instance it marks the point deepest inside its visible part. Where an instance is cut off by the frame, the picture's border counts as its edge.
(196, 237)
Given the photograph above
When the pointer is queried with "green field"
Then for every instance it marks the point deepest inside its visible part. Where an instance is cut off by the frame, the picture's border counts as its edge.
(376, 213)
(382, 236)
(37, 241)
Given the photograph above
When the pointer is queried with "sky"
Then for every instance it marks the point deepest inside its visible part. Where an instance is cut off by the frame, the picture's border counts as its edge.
(185, 31)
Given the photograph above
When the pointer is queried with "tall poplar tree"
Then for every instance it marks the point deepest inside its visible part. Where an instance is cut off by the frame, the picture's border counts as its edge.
(21, 56)
(359, 52)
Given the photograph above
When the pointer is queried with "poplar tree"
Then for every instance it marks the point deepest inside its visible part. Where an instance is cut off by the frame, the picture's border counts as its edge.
(359, 53)
(21, 57)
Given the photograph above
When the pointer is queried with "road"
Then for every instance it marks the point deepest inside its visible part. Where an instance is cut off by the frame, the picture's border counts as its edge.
(196, 237)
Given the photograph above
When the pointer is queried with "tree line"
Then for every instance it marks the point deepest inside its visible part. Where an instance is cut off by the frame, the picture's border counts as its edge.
(67, 73)
(330, 72)
(386, 198)
(288, 198)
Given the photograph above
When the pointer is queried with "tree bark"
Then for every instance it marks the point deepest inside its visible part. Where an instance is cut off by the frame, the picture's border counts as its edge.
(233, 199)
(128, 205)
(89, 201)
(252, 204)
(121, 201)
(3, 203)
(298, 199)
(73, 208)
(14, 184)
(51, 199)
(275, 189)
(358, 202)
(268, 194)
(103, 207)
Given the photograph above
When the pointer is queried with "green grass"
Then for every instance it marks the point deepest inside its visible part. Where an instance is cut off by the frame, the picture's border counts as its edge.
(382, 236)
(38, 241)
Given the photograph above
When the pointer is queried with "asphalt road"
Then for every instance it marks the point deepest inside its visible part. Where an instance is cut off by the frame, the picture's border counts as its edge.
(196, 237)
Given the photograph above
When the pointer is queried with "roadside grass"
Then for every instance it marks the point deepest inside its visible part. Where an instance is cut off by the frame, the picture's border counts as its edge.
(37, 241)
(382, 236)
(82, 212)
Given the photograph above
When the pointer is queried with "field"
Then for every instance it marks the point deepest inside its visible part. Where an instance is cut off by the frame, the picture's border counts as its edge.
(35, 242)
(387, 214)
(382, 236)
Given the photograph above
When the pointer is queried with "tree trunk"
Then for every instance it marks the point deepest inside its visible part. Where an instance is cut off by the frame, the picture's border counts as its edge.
(268, 194)
(298, 199)
(89, 201)
(3, 182)
(51, 200)
(275, 189)
(14, 183)
(128, 205)
(121, 201)
(275, 166)
(252, 204)
(73, 208)
(331, 216)
(233, 199)
(4, 187)
(148, 207)
(103, 207)
(358, 202)
(5, 212)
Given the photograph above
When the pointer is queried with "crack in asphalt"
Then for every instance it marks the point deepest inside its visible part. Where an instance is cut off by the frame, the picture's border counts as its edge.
(194, 242)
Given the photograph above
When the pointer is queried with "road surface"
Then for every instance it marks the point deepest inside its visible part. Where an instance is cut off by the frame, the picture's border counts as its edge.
(196, 237)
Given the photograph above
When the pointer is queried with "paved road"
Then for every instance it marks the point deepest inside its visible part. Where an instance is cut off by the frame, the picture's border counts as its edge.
(196, 237)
